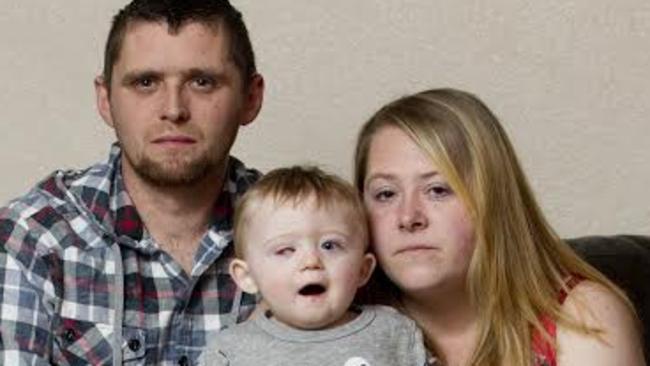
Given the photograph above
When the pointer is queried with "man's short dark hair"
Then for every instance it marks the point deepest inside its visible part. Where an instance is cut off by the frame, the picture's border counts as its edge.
(177, 13)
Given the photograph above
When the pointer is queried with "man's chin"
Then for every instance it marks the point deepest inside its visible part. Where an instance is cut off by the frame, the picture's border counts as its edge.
(174, 174)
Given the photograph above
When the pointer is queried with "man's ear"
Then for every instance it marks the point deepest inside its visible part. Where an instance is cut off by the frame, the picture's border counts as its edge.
(367, 267)
(102, 96)
(241, 274)
(254, 96)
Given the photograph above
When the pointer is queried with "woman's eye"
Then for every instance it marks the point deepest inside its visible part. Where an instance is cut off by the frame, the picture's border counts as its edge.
(384, 195)
(438, 191)
(330, 245)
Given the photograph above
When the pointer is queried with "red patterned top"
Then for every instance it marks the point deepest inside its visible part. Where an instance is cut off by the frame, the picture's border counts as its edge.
(543, 351)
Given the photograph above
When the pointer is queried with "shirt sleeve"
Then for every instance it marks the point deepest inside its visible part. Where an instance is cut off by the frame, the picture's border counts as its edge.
(213, 358)
(419, 352)
(26, 298)
(411, 342)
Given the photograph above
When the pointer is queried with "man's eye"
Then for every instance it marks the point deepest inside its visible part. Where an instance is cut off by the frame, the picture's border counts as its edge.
(204, 83)
(144, 83)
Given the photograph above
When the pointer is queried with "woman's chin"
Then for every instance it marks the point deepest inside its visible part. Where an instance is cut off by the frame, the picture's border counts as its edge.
(422, 283)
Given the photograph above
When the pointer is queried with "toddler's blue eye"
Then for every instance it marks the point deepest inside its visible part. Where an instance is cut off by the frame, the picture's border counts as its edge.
(329, 245)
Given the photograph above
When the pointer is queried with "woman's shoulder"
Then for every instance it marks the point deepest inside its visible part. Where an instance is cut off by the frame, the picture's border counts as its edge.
(598, 307)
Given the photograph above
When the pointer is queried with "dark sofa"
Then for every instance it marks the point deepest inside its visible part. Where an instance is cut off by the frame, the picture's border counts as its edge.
(624, 259)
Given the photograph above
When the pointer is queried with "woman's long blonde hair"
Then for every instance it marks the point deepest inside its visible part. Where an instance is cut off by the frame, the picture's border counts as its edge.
(519, 264)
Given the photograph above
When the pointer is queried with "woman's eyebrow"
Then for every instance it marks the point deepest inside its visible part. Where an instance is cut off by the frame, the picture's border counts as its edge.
(392, 176)
(429, 175)
(381, 175)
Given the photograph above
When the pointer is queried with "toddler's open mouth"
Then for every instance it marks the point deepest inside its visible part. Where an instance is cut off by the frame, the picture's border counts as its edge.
(312, 289)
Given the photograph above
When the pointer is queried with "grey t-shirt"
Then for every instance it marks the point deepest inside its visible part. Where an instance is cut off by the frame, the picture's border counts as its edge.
(378, 336)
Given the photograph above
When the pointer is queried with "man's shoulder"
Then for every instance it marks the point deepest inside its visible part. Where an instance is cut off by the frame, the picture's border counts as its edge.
(49, 193)
(44, 195)
(242, 176)
(42, 210)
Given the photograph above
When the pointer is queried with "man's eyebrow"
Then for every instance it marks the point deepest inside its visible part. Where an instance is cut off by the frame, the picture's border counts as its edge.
(209, 73)
(132, 76)
(195, 71)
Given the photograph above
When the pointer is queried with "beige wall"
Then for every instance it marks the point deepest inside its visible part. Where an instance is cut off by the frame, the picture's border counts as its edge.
(570, 80)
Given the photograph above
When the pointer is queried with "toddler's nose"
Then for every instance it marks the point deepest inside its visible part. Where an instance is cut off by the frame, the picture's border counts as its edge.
(311, 260)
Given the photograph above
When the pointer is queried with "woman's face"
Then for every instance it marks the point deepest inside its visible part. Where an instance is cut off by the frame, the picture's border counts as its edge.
(422, 234)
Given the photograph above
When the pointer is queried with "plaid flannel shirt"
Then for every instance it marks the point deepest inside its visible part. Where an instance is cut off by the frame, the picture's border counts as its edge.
(79, 272)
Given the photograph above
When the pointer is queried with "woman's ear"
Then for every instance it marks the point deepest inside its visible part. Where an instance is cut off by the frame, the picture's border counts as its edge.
(241, 274)
(367, 267)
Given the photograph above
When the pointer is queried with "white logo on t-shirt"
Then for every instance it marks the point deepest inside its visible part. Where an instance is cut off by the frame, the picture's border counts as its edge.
(356, 361)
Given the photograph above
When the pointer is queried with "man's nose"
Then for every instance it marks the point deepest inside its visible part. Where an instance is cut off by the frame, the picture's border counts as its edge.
(175, 105)
(412, 215)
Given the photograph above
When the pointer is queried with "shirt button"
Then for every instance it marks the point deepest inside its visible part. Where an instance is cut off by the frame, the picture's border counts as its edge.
(69, 335)
(183, 361)
(134, 345)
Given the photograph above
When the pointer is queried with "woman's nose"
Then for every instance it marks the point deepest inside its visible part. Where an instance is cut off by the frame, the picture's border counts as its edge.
(412, 216)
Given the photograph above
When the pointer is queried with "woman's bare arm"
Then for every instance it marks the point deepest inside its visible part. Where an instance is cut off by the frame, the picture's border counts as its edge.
(598, 307)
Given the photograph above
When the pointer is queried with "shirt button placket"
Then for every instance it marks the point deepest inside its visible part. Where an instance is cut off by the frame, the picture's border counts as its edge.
(70, 335)
(134, 345)
(183, 361)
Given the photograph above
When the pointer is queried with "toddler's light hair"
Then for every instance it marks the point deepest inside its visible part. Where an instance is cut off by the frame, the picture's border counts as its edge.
(293, 186)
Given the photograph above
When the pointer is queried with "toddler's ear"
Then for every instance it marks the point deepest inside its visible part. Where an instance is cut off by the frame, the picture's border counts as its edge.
(241, 274)
(367, 268)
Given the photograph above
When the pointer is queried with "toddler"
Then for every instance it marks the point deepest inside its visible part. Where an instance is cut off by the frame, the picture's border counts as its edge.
(301, 243)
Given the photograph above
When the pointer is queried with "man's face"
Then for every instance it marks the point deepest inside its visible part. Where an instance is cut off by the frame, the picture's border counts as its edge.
(176, 102)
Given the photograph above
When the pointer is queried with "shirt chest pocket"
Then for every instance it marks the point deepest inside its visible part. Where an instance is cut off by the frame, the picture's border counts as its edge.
(82, 329)
(79, 342)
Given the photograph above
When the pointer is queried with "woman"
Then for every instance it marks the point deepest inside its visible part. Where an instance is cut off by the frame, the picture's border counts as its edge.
(466, 251)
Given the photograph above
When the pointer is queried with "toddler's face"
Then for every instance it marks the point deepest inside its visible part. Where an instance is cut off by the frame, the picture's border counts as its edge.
(307, 261)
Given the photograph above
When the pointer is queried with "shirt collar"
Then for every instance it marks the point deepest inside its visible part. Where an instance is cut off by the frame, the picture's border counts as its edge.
(104, 193)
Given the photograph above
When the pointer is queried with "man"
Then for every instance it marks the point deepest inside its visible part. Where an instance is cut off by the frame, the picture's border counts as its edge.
(127, 261)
